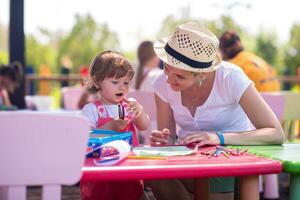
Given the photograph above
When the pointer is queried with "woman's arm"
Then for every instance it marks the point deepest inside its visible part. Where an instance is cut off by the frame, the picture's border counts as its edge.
(165, 120)
(268, 128)
(5, 96)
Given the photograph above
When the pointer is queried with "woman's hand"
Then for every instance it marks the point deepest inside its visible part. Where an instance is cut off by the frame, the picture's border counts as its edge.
(134, 108)
(200, 137)
(158, 138)
(116, 124)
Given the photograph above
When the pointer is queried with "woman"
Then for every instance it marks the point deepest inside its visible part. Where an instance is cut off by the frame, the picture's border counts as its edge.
(10, 77)
(213, 103)
(148, 68)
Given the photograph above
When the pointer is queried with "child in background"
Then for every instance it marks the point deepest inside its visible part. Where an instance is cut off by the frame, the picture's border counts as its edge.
(10, 77)
(110, 76)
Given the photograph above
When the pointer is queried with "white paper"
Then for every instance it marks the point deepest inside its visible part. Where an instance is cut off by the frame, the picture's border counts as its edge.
(123, 149)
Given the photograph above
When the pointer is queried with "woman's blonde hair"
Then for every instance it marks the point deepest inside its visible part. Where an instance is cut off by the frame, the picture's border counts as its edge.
(107, 64)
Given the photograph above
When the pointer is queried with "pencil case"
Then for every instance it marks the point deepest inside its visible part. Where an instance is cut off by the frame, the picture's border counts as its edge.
(99, 137)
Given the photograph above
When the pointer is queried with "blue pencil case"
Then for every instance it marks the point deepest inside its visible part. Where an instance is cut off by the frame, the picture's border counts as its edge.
(100, 137)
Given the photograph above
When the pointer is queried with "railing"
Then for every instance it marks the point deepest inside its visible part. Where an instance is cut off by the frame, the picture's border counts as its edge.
(56, 77)
(289, 79)
(78, 78)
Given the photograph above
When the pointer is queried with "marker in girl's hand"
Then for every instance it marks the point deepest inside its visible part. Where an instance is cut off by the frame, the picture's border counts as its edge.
(121, 111)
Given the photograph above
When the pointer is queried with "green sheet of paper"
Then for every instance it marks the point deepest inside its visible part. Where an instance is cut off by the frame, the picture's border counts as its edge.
(163, 151)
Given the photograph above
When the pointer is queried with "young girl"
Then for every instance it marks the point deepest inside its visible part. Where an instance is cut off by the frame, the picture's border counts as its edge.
(10, 77)
(110, 75)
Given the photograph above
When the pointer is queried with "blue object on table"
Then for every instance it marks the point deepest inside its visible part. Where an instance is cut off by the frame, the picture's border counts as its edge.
(99, 137)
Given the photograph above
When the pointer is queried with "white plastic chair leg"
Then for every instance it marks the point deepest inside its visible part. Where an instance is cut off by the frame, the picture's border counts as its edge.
(13, 192)
(51, 192)
(260, 183)
(271, 187)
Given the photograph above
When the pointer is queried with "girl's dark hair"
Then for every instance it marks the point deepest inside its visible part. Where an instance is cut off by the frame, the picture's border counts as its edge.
(107, 64)
(145, 52)
(13, 71)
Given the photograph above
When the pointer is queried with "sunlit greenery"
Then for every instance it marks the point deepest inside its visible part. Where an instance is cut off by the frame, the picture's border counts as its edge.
(87, 38)
(292, 58)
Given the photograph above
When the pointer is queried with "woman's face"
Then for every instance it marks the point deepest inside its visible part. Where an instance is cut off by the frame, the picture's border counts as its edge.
(179, 79)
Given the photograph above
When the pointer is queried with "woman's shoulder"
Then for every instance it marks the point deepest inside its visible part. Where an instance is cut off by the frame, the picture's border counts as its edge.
(229, 70)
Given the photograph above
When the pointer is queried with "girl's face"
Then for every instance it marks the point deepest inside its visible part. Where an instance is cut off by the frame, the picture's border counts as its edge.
(112, 90)
(179, 79)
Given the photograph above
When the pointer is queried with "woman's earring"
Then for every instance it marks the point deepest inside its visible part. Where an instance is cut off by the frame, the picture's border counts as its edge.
(201, 79)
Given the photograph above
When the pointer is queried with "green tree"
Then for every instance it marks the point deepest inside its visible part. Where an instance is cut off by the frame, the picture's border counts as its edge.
(292, 58)
(86, 39)
(38, 54)
(266, 47)
(3, 44)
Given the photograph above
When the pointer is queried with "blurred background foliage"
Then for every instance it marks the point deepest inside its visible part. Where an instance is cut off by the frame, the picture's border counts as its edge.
(87, 38)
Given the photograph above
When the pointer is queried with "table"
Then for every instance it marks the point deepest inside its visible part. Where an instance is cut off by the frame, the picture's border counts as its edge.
(193, 166)
(288, 155)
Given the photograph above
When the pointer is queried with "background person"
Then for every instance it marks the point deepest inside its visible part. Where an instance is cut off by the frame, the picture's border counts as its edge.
(213, 103)
(257, 69)
(148, 67)
(10, 77)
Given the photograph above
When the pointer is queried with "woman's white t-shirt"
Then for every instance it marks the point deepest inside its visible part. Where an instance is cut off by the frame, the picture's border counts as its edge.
(220, 112)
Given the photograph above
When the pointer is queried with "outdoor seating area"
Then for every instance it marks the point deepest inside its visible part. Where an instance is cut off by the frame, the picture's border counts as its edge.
(118, 100)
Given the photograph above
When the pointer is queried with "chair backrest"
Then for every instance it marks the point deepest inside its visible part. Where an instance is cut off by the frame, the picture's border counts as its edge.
(292, 108)
(276, 102)
(71, 96)
(146, 99)
(40, 149)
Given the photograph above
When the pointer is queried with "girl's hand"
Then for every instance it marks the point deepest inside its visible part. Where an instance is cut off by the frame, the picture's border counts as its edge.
(158, 138)
(201, 138)
(134, 108)
(116, 124)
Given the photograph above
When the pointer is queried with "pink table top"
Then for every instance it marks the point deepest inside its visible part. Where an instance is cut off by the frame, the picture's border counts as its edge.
(193, 166)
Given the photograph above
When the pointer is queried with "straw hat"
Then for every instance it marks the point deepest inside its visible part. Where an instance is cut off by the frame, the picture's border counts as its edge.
(192, 47)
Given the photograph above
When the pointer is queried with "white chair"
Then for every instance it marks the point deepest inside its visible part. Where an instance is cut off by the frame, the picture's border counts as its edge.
(291, 113)
(40, 149)
(71, 96)
(39, 102)
(276, 102)
(146, 99)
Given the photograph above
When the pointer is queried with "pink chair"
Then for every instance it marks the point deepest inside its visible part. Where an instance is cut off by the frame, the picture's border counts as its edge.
(71, 96)
(40, 149)
(276, 102)
(146, 99)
